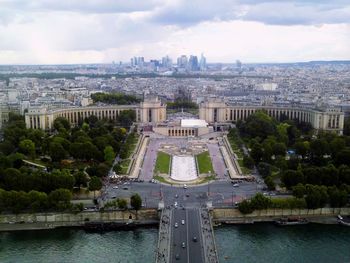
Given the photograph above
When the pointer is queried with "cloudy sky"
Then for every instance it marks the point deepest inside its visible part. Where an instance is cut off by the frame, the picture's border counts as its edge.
(100, 31)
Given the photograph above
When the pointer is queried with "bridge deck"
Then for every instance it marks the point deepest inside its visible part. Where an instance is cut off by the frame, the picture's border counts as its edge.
(187, 237)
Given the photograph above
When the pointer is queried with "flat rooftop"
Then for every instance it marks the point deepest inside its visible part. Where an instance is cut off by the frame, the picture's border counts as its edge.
(193, 123)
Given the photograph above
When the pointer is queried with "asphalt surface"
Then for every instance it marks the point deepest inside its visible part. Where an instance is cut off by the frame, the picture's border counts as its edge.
(220, 193)
(184, 233)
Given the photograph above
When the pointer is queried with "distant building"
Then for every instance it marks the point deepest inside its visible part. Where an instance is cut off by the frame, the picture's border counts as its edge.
(203, 63)
(182, 61)
(193, 63)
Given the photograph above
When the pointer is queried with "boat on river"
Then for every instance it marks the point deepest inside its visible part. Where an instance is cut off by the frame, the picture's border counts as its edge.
(343, 221)
(290, 221)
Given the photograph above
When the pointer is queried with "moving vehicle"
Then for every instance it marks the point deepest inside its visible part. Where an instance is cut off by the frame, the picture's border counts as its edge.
(115, 187)
(235, 185)
(177, 256)
(176, 224)
(185, 186)
(183, 245)
(194, 239)
(182, 222)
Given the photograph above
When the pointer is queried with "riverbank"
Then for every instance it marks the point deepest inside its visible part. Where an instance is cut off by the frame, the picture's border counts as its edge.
(105, 220)
(319, 216)
(114, 220)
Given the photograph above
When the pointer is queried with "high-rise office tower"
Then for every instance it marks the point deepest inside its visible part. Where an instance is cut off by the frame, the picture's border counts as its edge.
(203, 63)
(193, 63)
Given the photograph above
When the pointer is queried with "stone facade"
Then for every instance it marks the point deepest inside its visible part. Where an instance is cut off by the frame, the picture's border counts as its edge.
(149, 111)
(217, 111)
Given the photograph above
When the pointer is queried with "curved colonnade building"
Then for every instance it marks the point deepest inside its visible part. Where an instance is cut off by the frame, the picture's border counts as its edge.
(148, 111)
(216, 111)
(213, 111)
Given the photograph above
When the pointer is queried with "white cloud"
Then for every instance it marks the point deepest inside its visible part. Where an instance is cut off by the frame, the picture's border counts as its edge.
(104, 30)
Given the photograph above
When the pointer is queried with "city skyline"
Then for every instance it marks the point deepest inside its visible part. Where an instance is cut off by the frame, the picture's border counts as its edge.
(254, 31)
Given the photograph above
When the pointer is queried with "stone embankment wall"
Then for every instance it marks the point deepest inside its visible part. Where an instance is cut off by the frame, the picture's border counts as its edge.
(231, 215)
(52, 220)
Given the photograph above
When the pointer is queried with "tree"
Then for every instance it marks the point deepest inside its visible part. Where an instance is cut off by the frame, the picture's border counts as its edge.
(256, 152)
(136, 201)
(80, 179)
(122, 203)
(109, 154)
(245, 207)
(259, 125)
(343, 156)
(291, 178)
(60, 199)
(27, 147)
(299, 190)
(248, 161)
(126, 117)
(270, 183)
(337, 198)
(38, 201)
(302, 148)
(264, 169)
(279, 149)
(61, 123)
(57, 152)
(259, 201)
(95, 184)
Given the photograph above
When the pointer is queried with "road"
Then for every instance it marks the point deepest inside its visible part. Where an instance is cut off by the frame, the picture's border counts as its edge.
(184, 233)
(220, 193)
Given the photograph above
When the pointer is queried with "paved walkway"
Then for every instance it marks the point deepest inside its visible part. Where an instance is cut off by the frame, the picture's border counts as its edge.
(217, 160)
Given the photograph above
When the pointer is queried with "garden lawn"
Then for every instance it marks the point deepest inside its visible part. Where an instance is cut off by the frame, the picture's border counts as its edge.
(162, 163)
(204, 163)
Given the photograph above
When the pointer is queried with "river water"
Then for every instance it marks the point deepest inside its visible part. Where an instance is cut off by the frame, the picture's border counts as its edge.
(246, 243)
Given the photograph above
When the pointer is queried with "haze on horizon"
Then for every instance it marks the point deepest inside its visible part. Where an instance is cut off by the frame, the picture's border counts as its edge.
(102, 31)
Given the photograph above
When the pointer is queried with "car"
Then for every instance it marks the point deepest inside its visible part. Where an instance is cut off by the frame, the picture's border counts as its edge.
(115, 187)
(182, 222)
(183, 245)
(176, 196)
(177, 256)
(125, 188)
(187, 195)
(235, 185)
(194, 239)
(175, 204)
(176, 225)
(185, 186)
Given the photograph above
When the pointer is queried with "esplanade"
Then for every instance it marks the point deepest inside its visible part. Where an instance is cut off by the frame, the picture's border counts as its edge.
(214, 111)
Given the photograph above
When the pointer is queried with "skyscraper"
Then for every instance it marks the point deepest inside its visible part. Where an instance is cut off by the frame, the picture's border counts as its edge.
(193, 63)
(203, 63)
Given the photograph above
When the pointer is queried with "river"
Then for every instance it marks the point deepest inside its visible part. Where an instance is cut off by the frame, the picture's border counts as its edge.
(244, 243)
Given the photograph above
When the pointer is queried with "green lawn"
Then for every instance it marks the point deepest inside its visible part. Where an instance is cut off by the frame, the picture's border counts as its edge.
(162, 163)
(204, 163)
(125, 165)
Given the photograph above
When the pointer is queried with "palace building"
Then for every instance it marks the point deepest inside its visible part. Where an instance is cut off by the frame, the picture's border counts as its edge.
(218, 112)
(212, 112)
(151, 110)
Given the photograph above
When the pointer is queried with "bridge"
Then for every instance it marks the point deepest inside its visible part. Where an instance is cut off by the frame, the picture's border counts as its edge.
(186, 236)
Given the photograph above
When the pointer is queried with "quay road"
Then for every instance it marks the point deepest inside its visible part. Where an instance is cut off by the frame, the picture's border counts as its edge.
(221, 193)
(186, 244)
